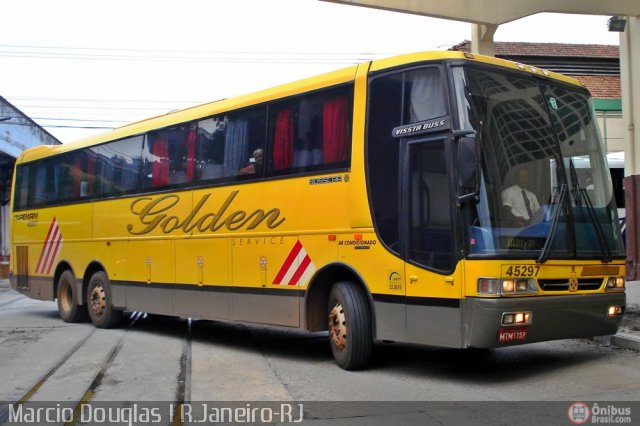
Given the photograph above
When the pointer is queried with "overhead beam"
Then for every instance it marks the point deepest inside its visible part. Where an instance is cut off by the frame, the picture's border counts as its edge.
(482, 38)
(499, 11)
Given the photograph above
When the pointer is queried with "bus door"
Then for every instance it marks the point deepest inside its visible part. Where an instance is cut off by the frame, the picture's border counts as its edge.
(433, 287)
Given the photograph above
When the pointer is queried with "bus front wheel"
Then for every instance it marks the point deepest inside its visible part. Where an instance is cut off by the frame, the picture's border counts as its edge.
(69, 306)
(100, 302)
(350, 329)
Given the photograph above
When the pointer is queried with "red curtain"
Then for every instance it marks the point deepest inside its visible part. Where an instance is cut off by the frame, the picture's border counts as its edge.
(160, 167)
(283, 140)
(334, 129)
(191, 155)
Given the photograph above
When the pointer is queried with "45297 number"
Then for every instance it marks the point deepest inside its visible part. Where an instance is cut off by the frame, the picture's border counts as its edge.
(522, 271)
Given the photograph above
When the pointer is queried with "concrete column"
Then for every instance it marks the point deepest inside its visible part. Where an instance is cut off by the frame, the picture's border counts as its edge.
(630, 76)
(482, 39)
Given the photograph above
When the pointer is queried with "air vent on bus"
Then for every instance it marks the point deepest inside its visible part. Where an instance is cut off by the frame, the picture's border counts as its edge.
(584, 284)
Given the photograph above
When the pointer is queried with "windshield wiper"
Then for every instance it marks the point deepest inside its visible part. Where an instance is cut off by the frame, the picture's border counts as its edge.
(554, 226)
(575, 183)
(581, 194)
(602, 239)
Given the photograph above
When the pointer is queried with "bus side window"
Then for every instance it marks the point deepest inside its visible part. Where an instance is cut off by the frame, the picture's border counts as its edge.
(22, 187)
(383, 157)
(424, 95)
(211, 141)
(231, 146)
(310, 132)
(169, 156)
(182, 161)
(118, 166)
(38, 184)
(244, 144)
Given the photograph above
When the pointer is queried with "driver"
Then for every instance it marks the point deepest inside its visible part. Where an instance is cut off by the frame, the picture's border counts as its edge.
(519, 205)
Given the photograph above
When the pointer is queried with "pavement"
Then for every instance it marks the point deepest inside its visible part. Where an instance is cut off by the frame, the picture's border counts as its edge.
(627, 337)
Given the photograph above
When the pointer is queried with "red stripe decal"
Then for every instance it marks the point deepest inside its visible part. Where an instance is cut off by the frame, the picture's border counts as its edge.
(44, 247)
(301, 270)
(287, 263)
(49, 249)
(56, 248)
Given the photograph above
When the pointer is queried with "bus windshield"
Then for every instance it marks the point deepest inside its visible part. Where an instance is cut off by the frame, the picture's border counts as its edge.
(545, 190)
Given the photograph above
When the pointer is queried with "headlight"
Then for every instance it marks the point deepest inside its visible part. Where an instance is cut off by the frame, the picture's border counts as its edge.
(615, 311)
(488, 286)
(506, 286)
(517, 318)
(615, 283)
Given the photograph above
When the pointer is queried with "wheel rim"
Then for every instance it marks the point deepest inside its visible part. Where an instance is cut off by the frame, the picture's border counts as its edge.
(97, 301)
(66, 296)
(338, 327)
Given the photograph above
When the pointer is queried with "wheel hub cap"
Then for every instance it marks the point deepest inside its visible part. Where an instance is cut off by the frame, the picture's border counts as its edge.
(338, 327)
(97, 302)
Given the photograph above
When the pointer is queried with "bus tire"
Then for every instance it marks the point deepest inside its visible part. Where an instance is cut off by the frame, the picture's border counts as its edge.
(350, 329)
(69, 306)
(100, 302)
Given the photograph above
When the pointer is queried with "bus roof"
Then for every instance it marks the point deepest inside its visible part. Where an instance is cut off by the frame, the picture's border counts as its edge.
(312, 83)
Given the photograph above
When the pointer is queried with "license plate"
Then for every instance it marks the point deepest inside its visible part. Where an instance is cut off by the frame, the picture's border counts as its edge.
(510, 334)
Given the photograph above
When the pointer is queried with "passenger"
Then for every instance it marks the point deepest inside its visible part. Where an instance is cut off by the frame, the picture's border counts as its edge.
(255, 165)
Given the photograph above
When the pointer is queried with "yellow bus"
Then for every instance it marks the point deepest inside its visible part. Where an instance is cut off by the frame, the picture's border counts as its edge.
(436, 198)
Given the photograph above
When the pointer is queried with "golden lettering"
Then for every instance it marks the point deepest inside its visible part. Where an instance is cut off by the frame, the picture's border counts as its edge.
(152, 213)
(156, 214)
(236, 220)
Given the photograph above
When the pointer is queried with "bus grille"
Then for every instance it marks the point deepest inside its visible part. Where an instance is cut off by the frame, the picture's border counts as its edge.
(584, 284)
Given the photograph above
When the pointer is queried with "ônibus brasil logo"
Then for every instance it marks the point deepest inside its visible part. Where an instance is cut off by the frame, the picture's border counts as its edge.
(579, 413)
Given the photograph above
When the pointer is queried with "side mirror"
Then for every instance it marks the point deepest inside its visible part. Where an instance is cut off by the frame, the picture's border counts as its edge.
(468, 168)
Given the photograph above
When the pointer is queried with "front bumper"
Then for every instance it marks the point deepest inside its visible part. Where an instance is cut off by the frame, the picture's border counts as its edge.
(553, 318)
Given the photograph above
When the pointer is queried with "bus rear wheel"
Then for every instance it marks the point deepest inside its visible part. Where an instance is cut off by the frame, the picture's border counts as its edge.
(100, 302)
(350, 329)
(69, 306)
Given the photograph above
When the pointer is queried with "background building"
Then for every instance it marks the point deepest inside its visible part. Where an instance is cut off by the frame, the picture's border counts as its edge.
(17, 133)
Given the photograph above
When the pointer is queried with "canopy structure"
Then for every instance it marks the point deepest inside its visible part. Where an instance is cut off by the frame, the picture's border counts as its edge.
(486, 15)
